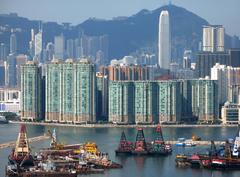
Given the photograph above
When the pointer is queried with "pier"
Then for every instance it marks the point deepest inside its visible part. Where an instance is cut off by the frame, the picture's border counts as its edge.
(30, 140)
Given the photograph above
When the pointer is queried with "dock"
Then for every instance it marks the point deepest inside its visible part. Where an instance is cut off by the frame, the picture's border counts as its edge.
(30, 140)
(198, 143)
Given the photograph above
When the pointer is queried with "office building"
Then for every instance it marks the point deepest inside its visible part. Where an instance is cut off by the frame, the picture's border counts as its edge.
(206, 60)
(32, 44)
(213, 38)
(11, 71)
(38, 45)
(13, 44)
(70, 91)
(70, 49)
(59, 47)
(31, 92)
(3, 52)
(164, 41)
(2, 74)
(20, 60)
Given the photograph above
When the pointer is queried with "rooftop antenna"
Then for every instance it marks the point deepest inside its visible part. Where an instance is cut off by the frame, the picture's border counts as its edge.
(170, 2)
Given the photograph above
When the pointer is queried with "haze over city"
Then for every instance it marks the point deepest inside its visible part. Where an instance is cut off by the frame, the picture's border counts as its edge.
(76, 11)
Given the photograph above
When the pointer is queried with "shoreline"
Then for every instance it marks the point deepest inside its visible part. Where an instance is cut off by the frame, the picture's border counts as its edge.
(120, 126)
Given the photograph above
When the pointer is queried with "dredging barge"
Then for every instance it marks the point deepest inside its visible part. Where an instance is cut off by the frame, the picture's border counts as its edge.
(58, 160)
(141, 147)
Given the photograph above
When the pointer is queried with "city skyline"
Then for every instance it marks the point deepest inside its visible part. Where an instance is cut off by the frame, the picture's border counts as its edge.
(78, 12)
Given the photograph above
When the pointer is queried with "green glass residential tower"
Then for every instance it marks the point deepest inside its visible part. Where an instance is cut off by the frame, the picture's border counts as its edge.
(163, 101)
(70, 91)
(31, 92)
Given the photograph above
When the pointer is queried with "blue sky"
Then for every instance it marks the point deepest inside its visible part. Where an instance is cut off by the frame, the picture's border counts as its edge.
(225, 12)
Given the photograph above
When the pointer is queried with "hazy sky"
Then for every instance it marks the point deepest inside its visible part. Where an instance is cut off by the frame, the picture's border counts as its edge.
(225, 12)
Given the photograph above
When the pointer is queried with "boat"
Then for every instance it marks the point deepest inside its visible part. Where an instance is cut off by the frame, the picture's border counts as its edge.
(3, 120)
(125, 147)
(140, 147)
(158, 146)
(181, 142)
(190, 143)
(21, 153)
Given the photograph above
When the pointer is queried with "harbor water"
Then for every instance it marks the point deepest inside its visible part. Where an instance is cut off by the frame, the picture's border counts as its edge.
(107, 140)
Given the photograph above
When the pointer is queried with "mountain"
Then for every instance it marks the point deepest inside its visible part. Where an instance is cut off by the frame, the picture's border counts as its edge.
(126, 34)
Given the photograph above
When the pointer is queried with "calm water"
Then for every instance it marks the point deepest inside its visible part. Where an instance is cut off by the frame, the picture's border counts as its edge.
(108, 139)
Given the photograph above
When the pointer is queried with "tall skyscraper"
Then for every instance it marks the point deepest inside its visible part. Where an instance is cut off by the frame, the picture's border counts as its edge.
(59, 47)
(13, 43)
(31, 92)
(11, 71)
(164, 41)
(32, 44)
(3, 52)
(213, 38)
(38, 45)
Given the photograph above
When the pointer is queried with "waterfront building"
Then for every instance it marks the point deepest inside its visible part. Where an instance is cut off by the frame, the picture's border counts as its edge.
(121, 102)
(102, 97)
(10, 100)
(163, 101)
(228, 82)
(145, 102)
(230, 113)
(220, 73)
(205, 100)
(70, 91)
(169, 100)
(31, 92)
(164, 41)
(213, 38)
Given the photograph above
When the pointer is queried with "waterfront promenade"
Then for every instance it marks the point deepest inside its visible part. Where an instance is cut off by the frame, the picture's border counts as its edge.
(123, 126)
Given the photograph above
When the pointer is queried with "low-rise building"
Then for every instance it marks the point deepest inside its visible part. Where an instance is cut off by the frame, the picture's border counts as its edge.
(9, 100)
(230, 113)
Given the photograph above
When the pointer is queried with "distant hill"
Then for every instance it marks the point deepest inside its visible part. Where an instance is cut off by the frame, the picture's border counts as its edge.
(126, 34)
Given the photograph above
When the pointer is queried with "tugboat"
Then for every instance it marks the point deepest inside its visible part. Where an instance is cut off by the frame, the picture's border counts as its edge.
(158, 146)
(140, 147)
(125, 147)
(21, 154)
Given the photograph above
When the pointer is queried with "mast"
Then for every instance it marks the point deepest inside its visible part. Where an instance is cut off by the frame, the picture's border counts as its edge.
(22, 146)
(158, 135)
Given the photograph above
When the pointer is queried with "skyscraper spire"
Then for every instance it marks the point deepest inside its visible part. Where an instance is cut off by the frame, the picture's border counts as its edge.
(164, 41)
